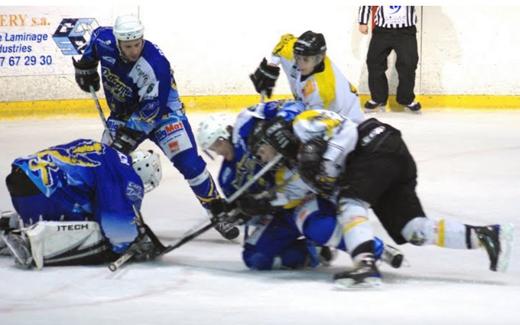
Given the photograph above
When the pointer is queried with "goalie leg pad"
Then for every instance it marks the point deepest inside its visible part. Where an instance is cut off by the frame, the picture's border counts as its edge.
(66, 243)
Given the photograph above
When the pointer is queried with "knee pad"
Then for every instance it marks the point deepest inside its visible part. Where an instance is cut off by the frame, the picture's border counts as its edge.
(419, 231)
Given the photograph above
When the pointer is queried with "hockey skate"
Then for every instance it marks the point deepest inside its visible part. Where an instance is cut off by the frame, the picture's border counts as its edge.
(498, 241)
(19, 247)
(392, 256)
(9, 220)
(364, 275)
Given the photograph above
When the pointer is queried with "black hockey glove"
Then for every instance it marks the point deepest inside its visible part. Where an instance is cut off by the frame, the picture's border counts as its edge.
(279, 134)
(86, 74)
(223, 217)
(147, 246)
(264, 78)
(220, 209)
(251, 206)
(310, 166)
(126, 139)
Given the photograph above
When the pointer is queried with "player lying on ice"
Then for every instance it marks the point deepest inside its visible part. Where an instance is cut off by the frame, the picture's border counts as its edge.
(78, 203)
(371, 167)
(281, 208)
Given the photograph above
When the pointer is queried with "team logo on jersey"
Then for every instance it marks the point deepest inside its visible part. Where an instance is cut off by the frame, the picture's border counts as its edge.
(149, 112)
(134, 192)
(113, 84)
(309, 88)
(371, 135)
(45, 162)
(108, 59)
(353, 89)
(395, 9)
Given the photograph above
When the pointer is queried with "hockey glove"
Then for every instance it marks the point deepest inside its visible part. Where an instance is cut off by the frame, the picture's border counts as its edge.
(126, 140)
(220, 209)
(251, 206)
(147, 246)
(311, 166)
(278, 133)
(223, 218)
(86, 74)
(264, 78)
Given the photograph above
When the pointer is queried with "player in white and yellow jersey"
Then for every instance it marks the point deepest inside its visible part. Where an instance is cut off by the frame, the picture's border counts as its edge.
(375, 170)
(314, 79)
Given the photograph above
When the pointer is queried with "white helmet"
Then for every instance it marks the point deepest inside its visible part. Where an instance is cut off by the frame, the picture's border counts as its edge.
(213, 128)
(128, 28)
(147, 164)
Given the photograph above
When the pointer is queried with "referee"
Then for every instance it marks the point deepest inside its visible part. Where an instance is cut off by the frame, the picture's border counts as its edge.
(394, 29)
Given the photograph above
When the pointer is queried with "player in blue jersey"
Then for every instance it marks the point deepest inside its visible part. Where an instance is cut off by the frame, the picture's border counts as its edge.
(77, 203)
(142, 95)
(289, 211)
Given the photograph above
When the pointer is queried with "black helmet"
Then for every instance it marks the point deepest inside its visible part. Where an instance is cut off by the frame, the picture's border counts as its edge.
(310, 43)
(257, 136)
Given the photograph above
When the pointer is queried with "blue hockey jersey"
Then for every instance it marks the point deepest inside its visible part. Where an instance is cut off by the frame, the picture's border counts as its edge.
(233, 174)
(140, 92)
(84, 180)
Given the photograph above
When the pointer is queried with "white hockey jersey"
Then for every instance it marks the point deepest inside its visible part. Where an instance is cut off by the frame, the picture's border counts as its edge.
(328, 89)
(340, 133)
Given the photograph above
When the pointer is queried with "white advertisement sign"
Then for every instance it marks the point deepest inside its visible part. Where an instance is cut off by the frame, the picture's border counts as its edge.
(41, 40)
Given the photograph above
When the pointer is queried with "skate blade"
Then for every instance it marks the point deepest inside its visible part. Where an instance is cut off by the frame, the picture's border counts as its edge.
(14, 252)
(350, 284)
(506, 237)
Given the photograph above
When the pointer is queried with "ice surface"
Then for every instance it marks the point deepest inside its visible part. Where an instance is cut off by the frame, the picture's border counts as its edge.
(469, 169)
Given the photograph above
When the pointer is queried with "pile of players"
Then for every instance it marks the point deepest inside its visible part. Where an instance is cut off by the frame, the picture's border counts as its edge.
(336, 166)
(83, 199)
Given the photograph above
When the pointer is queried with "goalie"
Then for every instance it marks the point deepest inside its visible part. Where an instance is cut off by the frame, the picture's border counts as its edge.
(78, 203)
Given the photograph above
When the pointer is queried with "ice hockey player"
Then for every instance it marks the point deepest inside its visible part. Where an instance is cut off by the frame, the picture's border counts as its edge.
(284, 210)
(313, 78)
(141, 93)
(76, 203)
(375, 170)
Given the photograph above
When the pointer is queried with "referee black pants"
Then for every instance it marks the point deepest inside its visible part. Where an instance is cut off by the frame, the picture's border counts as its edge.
(404, 42)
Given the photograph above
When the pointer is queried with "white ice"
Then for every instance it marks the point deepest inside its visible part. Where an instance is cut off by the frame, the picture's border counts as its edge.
(469, 170)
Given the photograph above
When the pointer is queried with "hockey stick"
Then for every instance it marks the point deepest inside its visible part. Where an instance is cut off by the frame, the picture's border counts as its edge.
(129, 253)
(232, 198)
(100, 112)
(114, 266)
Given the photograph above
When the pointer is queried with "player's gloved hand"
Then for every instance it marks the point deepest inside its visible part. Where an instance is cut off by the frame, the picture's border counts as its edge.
(86, 74)
(147, 246)
(279, 134)
(220, 209)
(126, 139)
(251, 206)
(264, 78)
(311, 166)
(222, 213)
